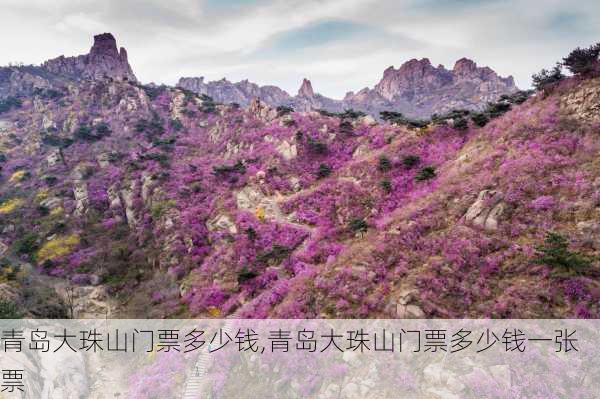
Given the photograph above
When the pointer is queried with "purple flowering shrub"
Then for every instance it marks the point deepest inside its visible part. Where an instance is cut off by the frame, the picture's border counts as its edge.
(357, 212)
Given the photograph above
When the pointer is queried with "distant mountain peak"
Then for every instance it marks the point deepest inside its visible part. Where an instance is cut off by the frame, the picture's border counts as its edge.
(306, 89)
(105, 44)
(464, 65)
(103, 61)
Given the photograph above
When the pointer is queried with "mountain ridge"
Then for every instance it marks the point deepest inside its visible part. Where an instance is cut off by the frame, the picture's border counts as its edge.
(416, 89)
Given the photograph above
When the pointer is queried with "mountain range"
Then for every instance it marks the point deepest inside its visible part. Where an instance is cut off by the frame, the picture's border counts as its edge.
(416, 89)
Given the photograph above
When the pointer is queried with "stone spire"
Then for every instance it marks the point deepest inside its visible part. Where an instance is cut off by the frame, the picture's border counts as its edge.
(103, 61)
(306, 89)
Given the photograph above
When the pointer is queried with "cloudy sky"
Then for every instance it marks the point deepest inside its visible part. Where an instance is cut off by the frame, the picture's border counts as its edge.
(340, 45)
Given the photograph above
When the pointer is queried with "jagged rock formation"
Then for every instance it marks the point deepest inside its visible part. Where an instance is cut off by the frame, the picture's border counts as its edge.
(55, 75)
(306, 89)
(102, 61)
(16, 81)
(416, 89)
(241, 92)
(419, 89)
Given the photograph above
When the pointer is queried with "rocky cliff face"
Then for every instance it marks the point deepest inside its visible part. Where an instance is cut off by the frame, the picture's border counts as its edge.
(306, 89)
(417, 89)
(103, 60)
(241, 92)
(23, 80)
(56, 75)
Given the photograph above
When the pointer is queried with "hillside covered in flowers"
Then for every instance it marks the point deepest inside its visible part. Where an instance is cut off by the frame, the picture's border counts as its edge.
(136, 200)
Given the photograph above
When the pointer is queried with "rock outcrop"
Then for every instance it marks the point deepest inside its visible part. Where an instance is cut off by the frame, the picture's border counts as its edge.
(306, 89)
(241, 93)
(584, 103)
(487, 211)
(419, 89)
(103, 61)
(59, 75)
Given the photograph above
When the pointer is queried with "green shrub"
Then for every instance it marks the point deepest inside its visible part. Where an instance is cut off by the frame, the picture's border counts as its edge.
(176, 124)
(425, 173)
(9, 103)
(583, 61)
(494, 110)
(316, 146)
(43, 210)
(50, 180)
(27, 245)
(245, 275)
(226, 170)
(411, 160)
(346, 127)
(555, 253)
(460, 124)
(399, 119)
(386, 186)
(103, 129)
(284, 110)
(208, 104)
(48, 94)
(9, 310)
(324, 171)
(115, 156)
(273, 256)
(546, 78)
(161, 158)
(251, 234)
(196, 187)
(56, 141)
(87, 133)
(351, 114)
(152, 128)
(480, 119)
(324, 112)
(160, 208)
(518, 97)
(358, 225)
(384, 164)
(84, 132)
(154, 91)
(391, 116)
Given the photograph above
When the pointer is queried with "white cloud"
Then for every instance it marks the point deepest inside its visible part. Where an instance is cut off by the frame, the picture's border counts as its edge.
(80, 23)
(166, 40)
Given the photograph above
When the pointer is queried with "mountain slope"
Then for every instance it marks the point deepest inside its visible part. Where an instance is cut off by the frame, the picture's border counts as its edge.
(155, 194)
(114, 194)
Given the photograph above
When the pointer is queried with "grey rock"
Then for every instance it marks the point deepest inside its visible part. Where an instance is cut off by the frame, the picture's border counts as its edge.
(487, 211)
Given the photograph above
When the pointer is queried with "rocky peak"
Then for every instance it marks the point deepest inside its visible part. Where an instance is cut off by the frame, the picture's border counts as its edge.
(306, 89)
(103, 61)
(464, 66)
(412, 75)
(416, 67)
(419, 89)
(105, 45)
